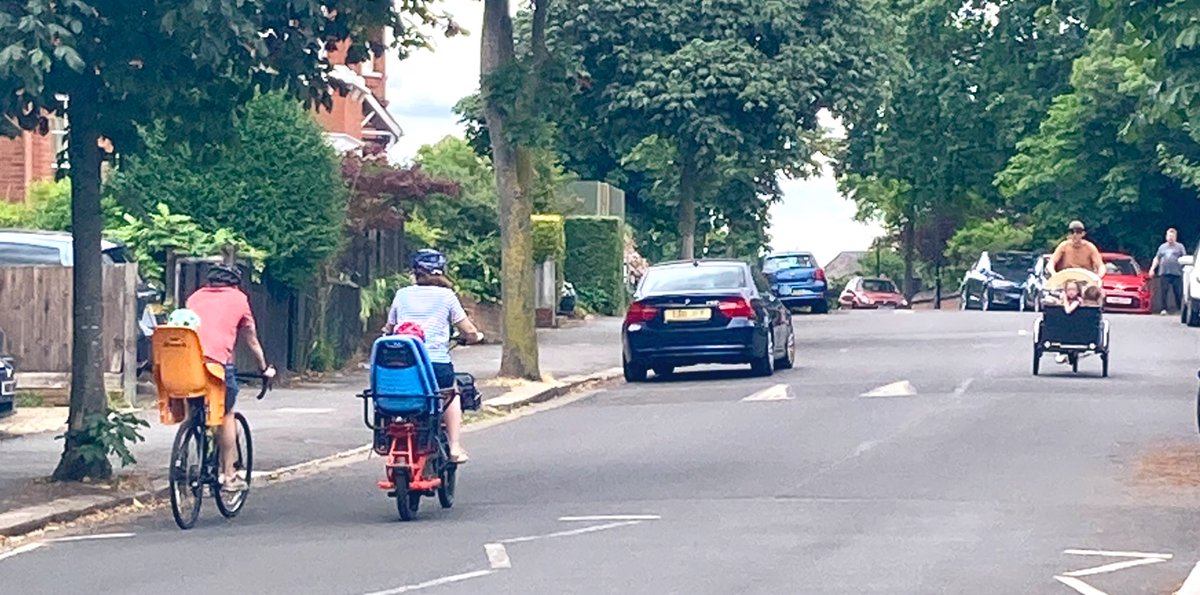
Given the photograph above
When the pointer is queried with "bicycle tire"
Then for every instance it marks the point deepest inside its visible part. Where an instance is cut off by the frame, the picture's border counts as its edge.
(445, 492)
(407, 501)
(231, 507)
(184, 476)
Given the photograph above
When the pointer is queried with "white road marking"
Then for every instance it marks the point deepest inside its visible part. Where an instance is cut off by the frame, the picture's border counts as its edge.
(90, 537)
(903, 388)
(591, 529)
(29, 547)
(497, 555)
(962, 387)
(903, 312)
(1117, 554)
(844, 350)
(1191, 586)
(437, 582)
(779, 392)
(1080, 586)
(1022, 332)
(304, 410)
(1115, 566)
(611, 517)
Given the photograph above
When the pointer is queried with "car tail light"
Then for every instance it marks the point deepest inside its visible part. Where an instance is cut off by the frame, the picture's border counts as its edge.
(639, 312)
(819, 275)
(736, 308)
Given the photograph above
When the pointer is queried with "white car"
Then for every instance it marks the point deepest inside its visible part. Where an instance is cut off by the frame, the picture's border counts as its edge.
(1189, 310)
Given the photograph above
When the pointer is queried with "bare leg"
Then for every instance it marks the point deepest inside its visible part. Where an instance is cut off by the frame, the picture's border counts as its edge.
(227, 444)
(453, 418)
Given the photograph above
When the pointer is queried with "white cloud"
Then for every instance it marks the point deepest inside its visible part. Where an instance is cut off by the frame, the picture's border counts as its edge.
(423, 89)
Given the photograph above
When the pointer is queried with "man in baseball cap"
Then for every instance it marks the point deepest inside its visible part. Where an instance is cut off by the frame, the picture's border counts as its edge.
(1076, 252)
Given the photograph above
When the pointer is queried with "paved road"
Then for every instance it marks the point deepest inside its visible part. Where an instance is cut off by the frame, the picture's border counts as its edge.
(978, 483)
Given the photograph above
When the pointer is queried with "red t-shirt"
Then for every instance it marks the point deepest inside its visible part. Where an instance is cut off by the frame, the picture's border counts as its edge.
(223, 311)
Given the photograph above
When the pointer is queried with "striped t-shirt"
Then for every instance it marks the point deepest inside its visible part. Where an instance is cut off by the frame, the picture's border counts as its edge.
(435, 309)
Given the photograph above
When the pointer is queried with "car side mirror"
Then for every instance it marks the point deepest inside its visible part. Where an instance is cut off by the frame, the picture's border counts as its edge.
(1187, 260)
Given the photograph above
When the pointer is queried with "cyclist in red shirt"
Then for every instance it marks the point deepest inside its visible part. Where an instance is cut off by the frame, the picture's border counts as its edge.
(224, 312)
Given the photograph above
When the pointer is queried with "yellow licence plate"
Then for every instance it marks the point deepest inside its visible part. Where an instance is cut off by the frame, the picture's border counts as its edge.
(687, 315)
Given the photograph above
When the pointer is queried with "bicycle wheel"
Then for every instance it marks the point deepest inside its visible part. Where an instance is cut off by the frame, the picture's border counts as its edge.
(184, 476)
(407, 501)
(231, 503)
(446, 491)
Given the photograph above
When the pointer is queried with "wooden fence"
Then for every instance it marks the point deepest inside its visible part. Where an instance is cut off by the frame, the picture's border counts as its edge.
(35, 320)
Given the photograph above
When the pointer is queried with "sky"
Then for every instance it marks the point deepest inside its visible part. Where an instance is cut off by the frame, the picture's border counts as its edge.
(423, 89)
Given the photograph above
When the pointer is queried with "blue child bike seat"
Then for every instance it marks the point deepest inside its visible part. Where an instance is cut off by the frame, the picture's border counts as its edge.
(402, 378)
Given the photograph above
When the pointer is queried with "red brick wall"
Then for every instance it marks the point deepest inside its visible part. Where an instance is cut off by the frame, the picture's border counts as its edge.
(24, 160)
(347, 113)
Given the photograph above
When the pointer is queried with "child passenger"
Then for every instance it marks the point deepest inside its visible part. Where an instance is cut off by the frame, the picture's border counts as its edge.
(1072, 296)
(1092, 296)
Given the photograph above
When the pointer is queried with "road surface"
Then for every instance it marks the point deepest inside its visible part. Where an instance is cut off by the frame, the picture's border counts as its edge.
(907, 453)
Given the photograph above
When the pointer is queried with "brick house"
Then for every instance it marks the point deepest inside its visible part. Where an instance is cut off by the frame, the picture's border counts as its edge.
(357, 119)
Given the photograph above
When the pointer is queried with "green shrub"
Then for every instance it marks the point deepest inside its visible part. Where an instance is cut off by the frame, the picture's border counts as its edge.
(549, 239)
(595, 262)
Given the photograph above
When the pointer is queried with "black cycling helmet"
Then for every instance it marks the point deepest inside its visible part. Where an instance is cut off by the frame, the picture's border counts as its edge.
(429, 262)
(223, 275)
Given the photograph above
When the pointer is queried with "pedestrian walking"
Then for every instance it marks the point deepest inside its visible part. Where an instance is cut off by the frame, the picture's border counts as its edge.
(1170, 272)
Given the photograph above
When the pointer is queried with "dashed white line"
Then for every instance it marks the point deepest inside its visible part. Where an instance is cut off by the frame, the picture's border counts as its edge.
(437, 582)
(779, 392)
(903, 388)
(497, 555)
(1115, 566)
(1191, 586)
(611, 517)
(304, 410)
(1116, 554)
(1080, 586)
(590, 529)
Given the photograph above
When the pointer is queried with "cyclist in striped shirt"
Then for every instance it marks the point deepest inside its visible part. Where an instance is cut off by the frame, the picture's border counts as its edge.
(433, 305)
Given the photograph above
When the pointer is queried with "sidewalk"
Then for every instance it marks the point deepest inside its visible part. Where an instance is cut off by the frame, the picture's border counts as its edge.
(291, 426)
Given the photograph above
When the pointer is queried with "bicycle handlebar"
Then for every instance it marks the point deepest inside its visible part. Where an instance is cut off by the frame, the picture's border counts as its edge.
(266, 382)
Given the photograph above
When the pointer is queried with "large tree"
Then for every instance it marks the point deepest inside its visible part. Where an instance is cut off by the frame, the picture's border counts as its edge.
(717, 80)
(509, 92)
(120, 65)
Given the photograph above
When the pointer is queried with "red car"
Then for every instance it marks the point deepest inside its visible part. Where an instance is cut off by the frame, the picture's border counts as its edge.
(1126, 287)
(871, 293)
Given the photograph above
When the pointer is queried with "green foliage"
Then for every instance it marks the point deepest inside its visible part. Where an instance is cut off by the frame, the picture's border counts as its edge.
(324, 358)
(549, 239)
(595, 262)
(105, 435)
(992, 236)
(376, 297)
(49, 205)
(278, 186)
(149, 237)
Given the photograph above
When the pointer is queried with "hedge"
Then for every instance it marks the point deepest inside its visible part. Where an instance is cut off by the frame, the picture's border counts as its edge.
(595, 262)
(549, 239)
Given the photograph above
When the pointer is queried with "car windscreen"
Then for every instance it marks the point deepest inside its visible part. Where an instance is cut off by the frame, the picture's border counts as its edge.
(693, 278)
(1013, 268)
(878, 286)
(778, 263)
(1121, 266)
(12, 253)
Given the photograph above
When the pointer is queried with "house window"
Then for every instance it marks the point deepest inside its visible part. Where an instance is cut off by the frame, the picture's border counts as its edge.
(58, 132)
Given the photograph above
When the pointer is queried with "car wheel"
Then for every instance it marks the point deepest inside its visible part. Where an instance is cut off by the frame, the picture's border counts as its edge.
(1193, 312)
(789, 353)
(634, 372)
(821, 307)
(765, 364)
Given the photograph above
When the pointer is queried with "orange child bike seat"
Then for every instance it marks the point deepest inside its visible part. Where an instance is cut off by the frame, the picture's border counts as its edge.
(181, 373)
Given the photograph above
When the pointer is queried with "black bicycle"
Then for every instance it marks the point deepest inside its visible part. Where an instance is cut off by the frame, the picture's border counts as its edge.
(196, 462)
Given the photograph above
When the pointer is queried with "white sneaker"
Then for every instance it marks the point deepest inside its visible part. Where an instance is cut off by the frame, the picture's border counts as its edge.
(1061, 358)
(1163, 313)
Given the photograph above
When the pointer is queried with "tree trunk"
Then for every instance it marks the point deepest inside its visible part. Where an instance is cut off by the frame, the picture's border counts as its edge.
(689, 182)
(909, 240)
(519, 357)
(88, 398)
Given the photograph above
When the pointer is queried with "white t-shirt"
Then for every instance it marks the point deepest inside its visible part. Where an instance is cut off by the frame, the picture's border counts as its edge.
(435, 309)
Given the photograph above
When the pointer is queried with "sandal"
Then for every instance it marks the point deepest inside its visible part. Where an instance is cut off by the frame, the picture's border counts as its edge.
(459, 456)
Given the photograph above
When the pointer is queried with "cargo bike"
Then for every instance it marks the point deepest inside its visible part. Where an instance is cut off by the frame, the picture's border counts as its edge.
(1077, 334)
(404, 406)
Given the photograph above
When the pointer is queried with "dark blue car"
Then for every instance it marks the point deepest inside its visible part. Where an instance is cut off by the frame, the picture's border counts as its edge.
(797, 280)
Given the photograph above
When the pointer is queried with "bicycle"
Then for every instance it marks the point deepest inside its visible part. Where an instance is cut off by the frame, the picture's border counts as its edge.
(189, 477)
(191, 391)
